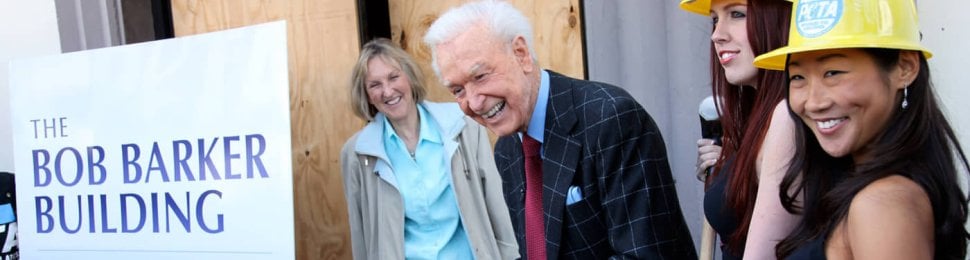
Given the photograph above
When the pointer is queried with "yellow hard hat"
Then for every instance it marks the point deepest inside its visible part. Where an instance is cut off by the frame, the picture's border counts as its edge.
(834, 24)
(701, 7)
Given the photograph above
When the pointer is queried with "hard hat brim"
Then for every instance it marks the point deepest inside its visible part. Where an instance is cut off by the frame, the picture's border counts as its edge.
(701, 7)
(778, 59)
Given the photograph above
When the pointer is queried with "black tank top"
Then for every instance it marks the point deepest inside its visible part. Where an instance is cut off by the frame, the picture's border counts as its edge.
(720, 216)
(813, 250)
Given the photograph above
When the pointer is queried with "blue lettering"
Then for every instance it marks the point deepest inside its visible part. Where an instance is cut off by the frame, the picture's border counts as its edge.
(78, 169)
(226, 143)
(124, 213)
(183, 218)
(129, 177)
(154, 212)
(182, 162)
(60, 207)
(198, 213)
(156, 156)
(39, 180)
(134, 213)
(104, 216)
(205, 160)
(91, 213)
(95, 164)
(44, 214)
(253, 159)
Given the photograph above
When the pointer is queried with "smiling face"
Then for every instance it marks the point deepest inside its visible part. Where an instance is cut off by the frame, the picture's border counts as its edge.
(389, 89)
(494, 82)
(845, 97)
(730, 39)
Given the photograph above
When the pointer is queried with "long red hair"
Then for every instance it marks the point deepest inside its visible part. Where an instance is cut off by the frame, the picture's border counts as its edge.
(746, 111)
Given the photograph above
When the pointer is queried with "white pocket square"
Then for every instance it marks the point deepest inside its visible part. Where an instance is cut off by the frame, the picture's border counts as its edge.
(573, 195)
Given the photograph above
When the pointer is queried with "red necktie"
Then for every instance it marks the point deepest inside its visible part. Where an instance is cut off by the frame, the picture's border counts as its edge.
(535, 236)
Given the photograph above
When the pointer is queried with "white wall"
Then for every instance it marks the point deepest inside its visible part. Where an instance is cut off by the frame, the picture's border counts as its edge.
(27, 28)
(946, 32)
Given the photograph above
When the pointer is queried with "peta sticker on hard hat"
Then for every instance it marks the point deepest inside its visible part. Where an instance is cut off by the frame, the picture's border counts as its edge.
(814, 18)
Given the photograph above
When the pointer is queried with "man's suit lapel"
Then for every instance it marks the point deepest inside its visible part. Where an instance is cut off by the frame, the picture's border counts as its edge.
(510, 162)
(561, 155)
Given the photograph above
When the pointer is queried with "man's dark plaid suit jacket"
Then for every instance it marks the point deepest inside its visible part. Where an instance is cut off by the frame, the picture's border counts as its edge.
(600, 139)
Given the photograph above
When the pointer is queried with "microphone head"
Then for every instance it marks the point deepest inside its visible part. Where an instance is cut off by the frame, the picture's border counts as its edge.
(708, 110)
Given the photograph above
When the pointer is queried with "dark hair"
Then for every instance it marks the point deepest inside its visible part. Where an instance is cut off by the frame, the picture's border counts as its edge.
(746, 112)
(917, 143)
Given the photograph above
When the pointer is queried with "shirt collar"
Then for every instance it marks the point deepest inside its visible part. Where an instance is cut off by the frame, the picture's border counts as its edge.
(537, 124)
(425, 131)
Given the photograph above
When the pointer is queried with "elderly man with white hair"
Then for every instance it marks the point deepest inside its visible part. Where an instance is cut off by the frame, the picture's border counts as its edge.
(584, 167)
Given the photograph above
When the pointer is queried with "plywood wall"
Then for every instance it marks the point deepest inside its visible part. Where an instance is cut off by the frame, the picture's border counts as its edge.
(556, 24)
(323, 46)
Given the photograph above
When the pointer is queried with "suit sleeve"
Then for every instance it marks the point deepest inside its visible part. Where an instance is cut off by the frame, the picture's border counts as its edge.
(498, 211)
(350, 167)
(638, 195)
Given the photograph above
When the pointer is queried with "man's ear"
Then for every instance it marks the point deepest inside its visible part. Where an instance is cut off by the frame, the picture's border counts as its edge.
(521, 52)
(906, 69)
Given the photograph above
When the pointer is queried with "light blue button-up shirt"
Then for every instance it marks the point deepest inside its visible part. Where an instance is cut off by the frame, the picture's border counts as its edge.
(537, 124)
(432, 223)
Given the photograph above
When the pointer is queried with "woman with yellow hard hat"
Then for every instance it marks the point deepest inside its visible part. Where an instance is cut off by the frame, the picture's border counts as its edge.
(741, 200)
(876, 159)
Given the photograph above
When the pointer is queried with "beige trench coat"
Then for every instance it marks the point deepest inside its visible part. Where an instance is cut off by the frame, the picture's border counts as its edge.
(375, 205)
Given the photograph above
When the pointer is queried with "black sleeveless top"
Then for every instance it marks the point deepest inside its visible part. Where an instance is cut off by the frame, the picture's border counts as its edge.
(720, 216)
(813, 250)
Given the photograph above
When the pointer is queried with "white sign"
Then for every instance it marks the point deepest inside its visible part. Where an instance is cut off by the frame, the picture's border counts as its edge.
(174, 149)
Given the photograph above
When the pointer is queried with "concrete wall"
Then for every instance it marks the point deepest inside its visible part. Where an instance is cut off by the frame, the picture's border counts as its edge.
(27, 28)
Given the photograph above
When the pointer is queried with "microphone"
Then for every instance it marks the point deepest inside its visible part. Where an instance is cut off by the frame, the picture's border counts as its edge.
(710, 122)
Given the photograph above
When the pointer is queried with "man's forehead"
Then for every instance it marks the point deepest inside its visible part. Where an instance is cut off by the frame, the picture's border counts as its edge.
(464, 55)
(460, 57)
(460, 70)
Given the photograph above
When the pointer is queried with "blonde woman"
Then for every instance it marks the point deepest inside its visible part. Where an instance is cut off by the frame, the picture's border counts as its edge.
(420, 178)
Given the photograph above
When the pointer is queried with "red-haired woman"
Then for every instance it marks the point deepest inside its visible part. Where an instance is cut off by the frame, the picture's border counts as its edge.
(741, 201)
